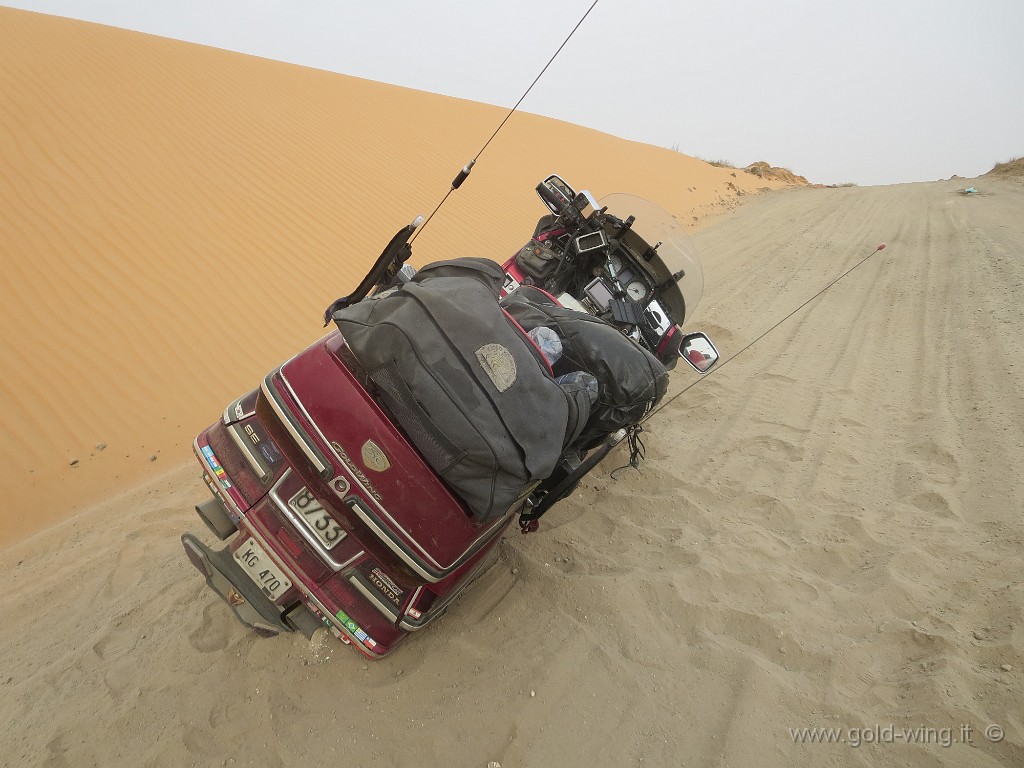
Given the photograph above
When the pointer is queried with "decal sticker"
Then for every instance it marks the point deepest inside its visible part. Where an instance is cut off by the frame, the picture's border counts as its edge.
(218, 470)
(234, 598)
(414, 613)
(352, 627)
(270, 453)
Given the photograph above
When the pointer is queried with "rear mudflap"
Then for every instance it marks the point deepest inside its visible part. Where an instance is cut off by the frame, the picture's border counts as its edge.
(253, 608)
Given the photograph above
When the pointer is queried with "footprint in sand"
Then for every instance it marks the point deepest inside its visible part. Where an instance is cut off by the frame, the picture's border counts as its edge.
(57, 749)
(118, 663)
(928, 465)
(937, 463)
(129, 562)
(934, 503)
(212, 633)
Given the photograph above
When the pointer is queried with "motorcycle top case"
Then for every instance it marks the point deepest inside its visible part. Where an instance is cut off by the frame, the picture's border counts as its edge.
(464, 382)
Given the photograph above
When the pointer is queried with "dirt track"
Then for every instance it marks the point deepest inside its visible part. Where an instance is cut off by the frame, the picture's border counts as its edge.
(827, 533)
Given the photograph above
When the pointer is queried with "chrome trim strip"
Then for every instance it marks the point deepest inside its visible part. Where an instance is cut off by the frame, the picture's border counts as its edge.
(407, 558)
(229, 417)
(369, 496)
(246, 451)
(366, 592)
(302, 407)
(300, 439)
(393, 546)
(394, 524)
(358, 482)
(306, 533)
(222, 493)
(438, 608)
(413, 599)
(306, 595)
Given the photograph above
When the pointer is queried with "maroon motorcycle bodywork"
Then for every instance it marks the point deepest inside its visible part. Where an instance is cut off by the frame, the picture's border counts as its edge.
(359, 534)
(334, 518)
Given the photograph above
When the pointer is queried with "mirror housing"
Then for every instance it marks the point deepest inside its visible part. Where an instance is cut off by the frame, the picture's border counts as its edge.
(556, 194)
(585, 200)
(699, 351)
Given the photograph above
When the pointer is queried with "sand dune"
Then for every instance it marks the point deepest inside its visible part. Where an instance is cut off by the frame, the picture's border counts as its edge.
(826, 533)
(174, 219)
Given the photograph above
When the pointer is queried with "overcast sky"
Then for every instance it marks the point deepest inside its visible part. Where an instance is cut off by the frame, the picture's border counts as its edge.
(869, 92)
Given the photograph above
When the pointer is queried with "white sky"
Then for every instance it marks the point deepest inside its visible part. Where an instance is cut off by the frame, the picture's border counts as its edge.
(869, 91)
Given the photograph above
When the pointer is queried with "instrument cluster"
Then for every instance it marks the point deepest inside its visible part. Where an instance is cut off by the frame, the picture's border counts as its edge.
(636, 289)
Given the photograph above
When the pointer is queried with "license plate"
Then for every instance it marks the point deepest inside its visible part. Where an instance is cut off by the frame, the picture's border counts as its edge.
(261, 569)
(316, 518)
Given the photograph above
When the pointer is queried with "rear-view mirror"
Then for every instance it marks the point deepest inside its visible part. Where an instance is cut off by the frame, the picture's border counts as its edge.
(556, 193)
(698, 350)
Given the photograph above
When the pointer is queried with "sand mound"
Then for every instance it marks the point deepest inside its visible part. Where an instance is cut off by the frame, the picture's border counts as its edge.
(763, 170)
(1011, 168)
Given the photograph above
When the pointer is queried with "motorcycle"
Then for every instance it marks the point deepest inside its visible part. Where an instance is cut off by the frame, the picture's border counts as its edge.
(363, 485)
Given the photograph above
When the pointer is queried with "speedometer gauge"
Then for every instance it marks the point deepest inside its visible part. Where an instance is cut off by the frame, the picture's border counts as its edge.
(614, 265)
(636, 290)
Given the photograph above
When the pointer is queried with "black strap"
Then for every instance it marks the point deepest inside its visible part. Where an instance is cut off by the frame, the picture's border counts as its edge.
(391, 259)
(636, 449)
(531, 514)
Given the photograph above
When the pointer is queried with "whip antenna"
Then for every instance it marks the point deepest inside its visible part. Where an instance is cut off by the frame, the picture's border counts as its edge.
(467, 169)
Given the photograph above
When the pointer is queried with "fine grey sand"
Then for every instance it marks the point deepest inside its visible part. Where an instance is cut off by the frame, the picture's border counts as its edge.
(826, 533)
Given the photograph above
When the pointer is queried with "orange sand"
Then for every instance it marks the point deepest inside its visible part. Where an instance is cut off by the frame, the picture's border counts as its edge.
(174, 218)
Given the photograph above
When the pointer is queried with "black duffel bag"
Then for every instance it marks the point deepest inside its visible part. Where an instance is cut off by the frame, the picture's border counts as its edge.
(631, 381)
(470, 390)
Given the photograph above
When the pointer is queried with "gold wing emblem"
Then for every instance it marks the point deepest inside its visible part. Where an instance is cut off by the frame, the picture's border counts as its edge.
(374, 458)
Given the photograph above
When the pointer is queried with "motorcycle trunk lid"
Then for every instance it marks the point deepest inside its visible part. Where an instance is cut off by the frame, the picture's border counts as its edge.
(328, 497)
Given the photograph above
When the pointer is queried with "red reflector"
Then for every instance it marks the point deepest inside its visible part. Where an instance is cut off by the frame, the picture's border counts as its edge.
(290, 544)
(196, 558)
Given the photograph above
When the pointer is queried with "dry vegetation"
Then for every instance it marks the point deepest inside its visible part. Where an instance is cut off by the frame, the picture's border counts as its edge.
(717, 163)
(765, 171)
(1012, 167)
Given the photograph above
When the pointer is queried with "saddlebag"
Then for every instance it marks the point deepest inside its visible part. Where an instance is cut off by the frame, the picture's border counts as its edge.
(537, 260)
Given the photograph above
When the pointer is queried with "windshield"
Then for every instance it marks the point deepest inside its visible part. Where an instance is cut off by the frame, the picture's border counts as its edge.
(676, 252)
